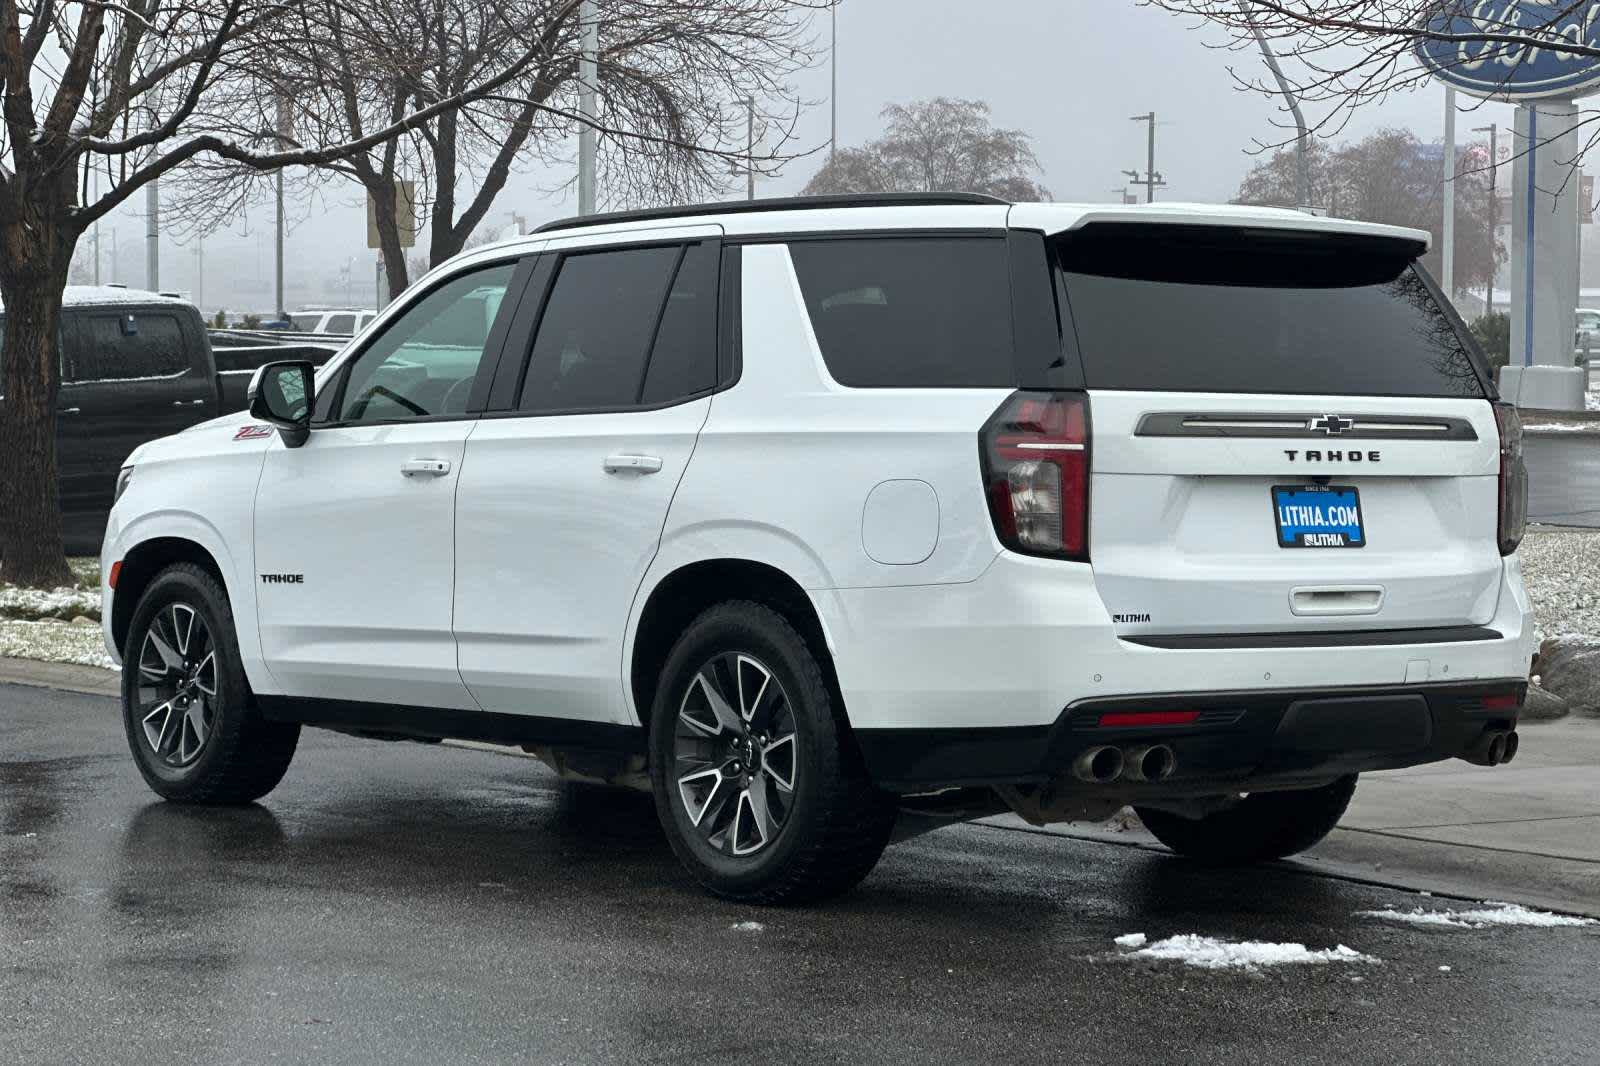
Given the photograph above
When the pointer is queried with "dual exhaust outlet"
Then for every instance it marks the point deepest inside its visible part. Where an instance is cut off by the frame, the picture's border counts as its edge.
(1493, 748)
(1104, 764)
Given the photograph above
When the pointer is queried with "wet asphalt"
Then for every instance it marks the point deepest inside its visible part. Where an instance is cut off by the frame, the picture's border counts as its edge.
(398, 903)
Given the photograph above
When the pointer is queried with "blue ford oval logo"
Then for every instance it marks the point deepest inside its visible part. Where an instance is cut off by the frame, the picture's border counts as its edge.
(1514, 71)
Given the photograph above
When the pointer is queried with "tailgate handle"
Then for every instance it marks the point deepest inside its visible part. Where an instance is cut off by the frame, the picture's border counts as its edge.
(1336, 599)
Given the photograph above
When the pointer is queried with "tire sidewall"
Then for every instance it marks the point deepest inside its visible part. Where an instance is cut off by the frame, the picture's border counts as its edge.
(190, 586)
(742, 628)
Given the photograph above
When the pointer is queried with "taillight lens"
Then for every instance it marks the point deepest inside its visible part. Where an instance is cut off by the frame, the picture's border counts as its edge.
(1513, 478)
(1036, 472)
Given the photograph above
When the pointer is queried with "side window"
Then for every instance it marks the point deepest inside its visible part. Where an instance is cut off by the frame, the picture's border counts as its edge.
(341, 324)
(910, 312)
(125, 345)
(683, 361)
(425, 362)
(596, 330)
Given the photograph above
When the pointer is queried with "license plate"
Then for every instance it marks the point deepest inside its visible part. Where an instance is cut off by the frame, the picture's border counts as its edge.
(1317, 516)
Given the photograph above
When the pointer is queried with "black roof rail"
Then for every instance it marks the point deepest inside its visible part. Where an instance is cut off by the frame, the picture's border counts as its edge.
(783, 203)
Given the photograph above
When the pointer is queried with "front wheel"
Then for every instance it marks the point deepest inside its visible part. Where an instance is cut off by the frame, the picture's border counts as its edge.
(191, 720)
(757, 783)
(1261, 827)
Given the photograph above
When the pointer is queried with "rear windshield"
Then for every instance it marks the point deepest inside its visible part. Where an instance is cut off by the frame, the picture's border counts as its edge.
(1192, 309)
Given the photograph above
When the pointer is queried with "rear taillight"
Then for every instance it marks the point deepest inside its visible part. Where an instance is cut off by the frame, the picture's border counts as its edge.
(1513, 478)
(1035, 452)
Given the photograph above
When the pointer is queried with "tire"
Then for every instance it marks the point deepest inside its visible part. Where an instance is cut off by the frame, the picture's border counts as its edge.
(1264, 826)
(823, 834)
(210, 745)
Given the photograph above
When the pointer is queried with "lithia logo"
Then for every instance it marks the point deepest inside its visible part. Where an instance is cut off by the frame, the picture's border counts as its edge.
(1130, 618)
(283, 579)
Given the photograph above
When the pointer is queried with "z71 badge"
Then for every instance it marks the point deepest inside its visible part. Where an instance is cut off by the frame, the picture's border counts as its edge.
(253, 432)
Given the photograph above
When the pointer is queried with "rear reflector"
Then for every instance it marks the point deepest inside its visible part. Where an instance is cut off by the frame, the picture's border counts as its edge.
(116, 571)
(1505, 702)
(1126, 719)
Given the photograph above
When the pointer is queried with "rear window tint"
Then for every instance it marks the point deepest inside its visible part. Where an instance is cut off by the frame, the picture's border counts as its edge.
(909, 312)
(1185, 309)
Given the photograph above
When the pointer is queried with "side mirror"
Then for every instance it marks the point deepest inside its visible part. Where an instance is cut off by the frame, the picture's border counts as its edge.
(282, 394)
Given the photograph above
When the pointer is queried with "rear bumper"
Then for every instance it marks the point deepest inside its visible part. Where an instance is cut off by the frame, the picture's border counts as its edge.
(1244, 738)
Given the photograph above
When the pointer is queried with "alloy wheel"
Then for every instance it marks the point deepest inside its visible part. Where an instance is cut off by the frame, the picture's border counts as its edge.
(177, 690)
(735, 754)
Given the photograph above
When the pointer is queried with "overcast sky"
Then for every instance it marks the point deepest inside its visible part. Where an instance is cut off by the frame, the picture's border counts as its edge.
(1068, 72)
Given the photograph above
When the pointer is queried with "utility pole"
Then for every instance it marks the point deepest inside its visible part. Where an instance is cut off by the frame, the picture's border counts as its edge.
(113, 255)
(1152, 177)
(97, 232)
(200, 274)
(588, 67)
(152, 236)
(1493, 130)
(750, 148)
(1447, 270)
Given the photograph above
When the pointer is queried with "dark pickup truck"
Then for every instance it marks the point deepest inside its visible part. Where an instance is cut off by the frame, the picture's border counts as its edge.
(136, 366)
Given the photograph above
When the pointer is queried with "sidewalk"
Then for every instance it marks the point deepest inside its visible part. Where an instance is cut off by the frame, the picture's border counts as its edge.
(1526, 833)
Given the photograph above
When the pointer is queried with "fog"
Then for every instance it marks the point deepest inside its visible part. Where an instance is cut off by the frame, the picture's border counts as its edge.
(1068, 72)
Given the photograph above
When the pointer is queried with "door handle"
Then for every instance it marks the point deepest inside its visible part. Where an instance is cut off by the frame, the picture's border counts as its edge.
(639, 464)
(426, 467)
(190, 403)
(70, 411)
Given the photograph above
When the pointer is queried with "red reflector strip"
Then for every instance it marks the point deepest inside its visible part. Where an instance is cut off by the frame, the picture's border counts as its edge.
(1506, 702)
(1121, 719)
(116, 570)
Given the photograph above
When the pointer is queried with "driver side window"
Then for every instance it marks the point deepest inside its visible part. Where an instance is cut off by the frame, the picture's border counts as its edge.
(424, 364)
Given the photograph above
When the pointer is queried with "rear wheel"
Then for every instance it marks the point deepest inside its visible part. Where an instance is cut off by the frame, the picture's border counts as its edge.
(187, 709)
(1263, 826)
(757, 783)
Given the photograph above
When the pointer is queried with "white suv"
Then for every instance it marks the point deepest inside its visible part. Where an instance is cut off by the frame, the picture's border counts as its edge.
(812, 515)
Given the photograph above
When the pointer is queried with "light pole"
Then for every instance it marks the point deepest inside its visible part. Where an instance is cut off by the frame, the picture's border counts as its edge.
(1447, 271)
(1151, 177)
(588, 65)
(1302, 177)
(152, 236)
(1493, 130)
(749, 148)
(833, 90)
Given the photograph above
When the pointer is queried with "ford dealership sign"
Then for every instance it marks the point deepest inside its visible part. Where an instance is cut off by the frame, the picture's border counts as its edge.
(1515, 70)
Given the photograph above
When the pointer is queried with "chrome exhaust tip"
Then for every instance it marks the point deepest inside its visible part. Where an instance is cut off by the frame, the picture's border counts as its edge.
(1492, 748)
(1149, 762)
(1098, 765)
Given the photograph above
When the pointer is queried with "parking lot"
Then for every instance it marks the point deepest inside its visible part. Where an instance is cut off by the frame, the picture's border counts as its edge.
(401, 903)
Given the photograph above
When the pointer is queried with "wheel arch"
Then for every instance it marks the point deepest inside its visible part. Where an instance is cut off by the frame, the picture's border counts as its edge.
(681, 595)
(142, 562)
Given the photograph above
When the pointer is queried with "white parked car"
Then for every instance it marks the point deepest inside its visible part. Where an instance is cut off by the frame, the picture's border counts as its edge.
(338, 321)
(809, 513)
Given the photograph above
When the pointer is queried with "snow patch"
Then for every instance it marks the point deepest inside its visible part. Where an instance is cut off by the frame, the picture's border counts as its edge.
(1491, 914)
(1210, 953)
(17, 602)
(1130, 940)
(748, 927)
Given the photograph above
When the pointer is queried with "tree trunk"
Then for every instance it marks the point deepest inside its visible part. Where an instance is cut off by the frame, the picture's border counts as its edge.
(384, 201)
(35, 256)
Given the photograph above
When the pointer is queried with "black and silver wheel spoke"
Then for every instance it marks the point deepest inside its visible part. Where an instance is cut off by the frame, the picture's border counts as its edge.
(177, 685)
(736, 754)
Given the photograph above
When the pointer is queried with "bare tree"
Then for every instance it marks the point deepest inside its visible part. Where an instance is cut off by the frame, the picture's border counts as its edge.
(669, 75)
(129, 91)
(1338, 55)
(938, 145)
(1393, 178)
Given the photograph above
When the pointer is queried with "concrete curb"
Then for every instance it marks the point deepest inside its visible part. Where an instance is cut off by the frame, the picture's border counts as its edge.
(69, 677)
